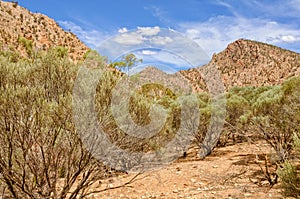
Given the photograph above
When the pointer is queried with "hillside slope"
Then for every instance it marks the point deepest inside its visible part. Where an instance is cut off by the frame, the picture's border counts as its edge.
(17, 22)
(246, 62)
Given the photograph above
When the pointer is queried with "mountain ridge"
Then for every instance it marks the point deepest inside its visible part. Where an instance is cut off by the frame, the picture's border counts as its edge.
(248, 63)
(20, 27)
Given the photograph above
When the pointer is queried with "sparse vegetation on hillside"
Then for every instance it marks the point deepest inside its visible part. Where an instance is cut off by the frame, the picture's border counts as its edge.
(19, 25)
(249, 63)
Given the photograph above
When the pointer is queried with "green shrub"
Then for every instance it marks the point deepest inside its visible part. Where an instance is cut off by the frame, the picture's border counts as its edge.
(288, 173)
(39, 142)
(277, 116)
(28, 44)
(290, 180)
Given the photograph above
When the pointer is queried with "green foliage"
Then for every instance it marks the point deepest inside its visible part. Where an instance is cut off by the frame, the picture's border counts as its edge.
(59, 51)
(272, 111)
(291, 86)
(131, 60)
(288, 173)
(248, 92)
(204, 121)
(128, 61)
(290, 180)
(89, 53)
(92, 59)
(10, 55)
(28, 44)
(296, 139)
(139, 108)
(277, 115)
(266, 100)
(238, 115)
(39, 143)
(236, 106)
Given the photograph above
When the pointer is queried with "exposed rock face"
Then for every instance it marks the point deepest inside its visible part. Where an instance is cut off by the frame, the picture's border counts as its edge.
(17, 22)
(246, 62)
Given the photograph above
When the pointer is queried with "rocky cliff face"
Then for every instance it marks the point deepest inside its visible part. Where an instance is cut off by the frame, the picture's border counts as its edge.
(246, 62)
(17, 22)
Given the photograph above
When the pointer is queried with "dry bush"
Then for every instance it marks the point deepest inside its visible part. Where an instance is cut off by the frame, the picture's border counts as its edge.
(277, 116)
(41, 155)
(289, 171)
(139, 108)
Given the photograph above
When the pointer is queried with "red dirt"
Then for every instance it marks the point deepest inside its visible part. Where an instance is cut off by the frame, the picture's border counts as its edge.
(229, 172)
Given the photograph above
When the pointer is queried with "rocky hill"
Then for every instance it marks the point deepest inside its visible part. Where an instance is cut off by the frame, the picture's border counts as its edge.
(243, 62)
(20, 28)
(246, 62)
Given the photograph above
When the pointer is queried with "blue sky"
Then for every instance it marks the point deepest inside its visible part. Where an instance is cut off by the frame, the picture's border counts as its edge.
(213, 24)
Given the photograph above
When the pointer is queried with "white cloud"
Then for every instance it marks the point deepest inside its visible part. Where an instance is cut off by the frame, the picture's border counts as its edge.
(131, 38)
(161, 40)
(148, 52)
(136, 37)
(167, 40)
(215, 34)
(290, 38)
(122, 30)
(141, 35)
(148, 31)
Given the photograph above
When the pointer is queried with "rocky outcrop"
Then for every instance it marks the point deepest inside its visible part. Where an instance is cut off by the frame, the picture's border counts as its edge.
(246, 62)
(42, 32)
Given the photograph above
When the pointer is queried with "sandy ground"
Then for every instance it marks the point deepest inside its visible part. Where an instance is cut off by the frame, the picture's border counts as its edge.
(229, 172)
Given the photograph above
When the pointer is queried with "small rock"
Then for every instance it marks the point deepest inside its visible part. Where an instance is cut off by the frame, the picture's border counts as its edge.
(265, 182)
(255, 181)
